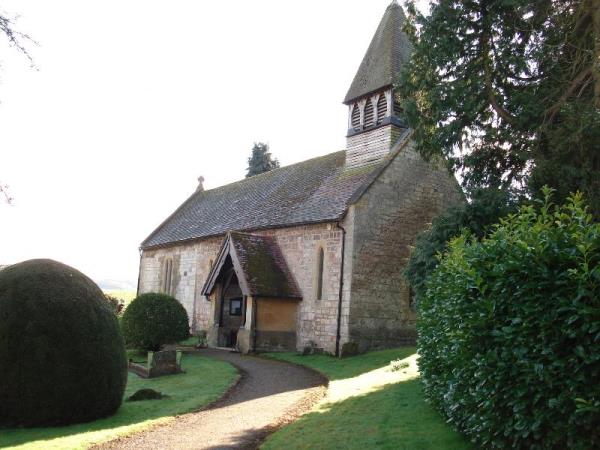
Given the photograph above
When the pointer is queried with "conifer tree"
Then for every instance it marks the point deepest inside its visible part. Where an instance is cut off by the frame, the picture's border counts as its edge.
(261, 160)
(509, 92)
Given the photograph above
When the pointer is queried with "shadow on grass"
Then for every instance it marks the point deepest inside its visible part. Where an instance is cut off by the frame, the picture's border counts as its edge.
(204, 381)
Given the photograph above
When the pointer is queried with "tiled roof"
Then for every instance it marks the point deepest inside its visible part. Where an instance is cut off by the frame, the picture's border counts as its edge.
(265, 269)
(390, 49)
(259, 265)
(317, 190)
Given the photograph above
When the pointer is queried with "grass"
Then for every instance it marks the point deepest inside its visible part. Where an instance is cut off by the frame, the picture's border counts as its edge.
(137, 356)
(192, 341)
(370, 404)
(205, 380)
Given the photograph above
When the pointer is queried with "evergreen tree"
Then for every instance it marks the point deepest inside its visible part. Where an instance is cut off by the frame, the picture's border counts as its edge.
(509, 91)
(261, 160)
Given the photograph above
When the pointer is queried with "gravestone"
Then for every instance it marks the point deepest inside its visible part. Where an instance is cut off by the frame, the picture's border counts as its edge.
(167, 362)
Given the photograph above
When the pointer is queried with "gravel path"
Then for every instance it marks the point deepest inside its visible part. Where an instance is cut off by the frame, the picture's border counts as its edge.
(269, 395)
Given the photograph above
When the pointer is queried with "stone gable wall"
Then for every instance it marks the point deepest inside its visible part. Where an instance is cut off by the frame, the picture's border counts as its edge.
(387, 219)
(316, 319)
(191, 264)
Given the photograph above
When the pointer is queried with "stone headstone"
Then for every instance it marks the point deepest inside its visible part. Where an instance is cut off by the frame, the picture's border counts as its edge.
(167, 362)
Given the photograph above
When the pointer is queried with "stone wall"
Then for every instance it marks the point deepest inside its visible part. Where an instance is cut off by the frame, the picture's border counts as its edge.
(387, 219)
(316, 319)
(191, 265)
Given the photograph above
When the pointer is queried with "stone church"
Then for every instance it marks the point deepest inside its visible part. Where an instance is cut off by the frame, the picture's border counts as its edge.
(311, 254)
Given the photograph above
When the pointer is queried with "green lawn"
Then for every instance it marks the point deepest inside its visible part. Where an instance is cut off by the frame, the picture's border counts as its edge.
(192, 341)
(368, 407)
(204, 381)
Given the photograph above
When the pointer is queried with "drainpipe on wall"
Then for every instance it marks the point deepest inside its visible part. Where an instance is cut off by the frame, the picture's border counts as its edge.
(341, 294)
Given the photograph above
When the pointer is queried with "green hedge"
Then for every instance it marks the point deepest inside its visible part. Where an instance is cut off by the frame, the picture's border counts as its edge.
(153, 320)
(62, 358)
(486, 207)
(509, 332)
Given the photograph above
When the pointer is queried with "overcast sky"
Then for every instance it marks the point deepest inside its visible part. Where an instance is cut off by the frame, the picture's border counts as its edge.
(132, 100)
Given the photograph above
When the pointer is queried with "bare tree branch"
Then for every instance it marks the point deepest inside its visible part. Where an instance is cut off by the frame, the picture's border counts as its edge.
(15, 37)
(17, 40)
(5, 194)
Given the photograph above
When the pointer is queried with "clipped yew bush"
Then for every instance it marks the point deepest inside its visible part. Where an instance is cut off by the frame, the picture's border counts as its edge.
(509, 331)
(62, 357)
(153, 320)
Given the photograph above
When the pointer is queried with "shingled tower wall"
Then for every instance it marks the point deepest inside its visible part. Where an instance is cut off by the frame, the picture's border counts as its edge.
(374, 114)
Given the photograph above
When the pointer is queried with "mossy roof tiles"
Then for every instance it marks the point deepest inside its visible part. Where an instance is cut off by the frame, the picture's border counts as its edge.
(389, 50)
(259, 265)
(264, 267)
(313, 191)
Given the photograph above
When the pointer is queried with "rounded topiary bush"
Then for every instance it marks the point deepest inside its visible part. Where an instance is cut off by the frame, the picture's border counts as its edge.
(509, 332)
(153, 320)
(62, 355)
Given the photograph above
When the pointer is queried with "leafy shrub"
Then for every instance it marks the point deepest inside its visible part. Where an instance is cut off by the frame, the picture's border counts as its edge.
(509, 331)
(153, 320)
(116, 304)
(486, 207)
(61, 351)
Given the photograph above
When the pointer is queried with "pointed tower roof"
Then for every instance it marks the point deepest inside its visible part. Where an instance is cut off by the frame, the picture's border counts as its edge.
(389, 50)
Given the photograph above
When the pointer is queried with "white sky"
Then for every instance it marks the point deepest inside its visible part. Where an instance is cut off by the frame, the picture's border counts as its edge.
(134, 99)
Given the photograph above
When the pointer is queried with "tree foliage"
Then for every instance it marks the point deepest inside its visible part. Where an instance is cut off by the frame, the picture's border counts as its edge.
(261, 160)
(115, 304)
(153, 320)
(62, 352)
(509, 91)
(509, 330)
(476, 217)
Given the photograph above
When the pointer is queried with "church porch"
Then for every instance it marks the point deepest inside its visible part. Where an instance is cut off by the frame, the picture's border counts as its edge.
(254, 297)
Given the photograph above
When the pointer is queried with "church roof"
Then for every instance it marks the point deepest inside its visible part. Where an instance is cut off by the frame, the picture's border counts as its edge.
(389, 50)
(313, 191)
(259, 266)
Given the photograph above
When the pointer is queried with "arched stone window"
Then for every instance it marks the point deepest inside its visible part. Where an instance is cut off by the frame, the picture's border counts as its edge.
(167, 276)
(320, 262)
